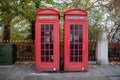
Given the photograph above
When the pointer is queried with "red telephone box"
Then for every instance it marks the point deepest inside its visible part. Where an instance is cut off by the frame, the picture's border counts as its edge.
(47, 40)
(75, 40)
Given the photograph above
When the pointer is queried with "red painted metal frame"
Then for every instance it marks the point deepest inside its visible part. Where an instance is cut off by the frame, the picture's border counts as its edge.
(75, 66)
(40, 65)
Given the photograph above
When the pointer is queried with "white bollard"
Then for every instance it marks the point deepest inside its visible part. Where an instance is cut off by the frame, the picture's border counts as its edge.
(102, 49)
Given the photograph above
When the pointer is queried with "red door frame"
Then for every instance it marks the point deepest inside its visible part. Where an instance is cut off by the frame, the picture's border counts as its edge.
(75, 66)
(51, 17)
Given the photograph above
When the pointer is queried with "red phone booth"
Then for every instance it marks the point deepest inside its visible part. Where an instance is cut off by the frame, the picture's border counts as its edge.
(75, 40)
(47, 40)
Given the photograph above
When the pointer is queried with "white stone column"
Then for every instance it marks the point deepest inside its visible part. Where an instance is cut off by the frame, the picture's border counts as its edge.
(102, 49)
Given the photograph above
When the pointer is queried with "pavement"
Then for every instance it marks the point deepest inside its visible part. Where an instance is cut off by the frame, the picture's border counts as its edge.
(25, 71)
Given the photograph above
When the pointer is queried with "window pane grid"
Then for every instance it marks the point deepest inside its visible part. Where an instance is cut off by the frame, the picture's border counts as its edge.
(47, 43)
(76, 43)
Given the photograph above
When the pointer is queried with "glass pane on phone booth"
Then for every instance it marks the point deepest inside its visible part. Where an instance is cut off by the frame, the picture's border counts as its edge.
(47, 43)
(76, 43)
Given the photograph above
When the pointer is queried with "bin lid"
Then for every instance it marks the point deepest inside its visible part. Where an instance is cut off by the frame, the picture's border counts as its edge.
(3, 44)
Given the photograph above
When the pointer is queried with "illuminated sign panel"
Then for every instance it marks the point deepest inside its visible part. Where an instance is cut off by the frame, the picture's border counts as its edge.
(75, 17)
(47, 17)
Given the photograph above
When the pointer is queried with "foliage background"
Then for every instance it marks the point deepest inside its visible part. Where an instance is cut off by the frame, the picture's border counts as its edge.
(18, 16)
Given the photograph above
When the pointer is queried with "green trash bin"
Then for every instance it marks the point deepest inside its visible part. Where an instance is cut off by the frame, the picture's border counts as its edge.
(7, 54)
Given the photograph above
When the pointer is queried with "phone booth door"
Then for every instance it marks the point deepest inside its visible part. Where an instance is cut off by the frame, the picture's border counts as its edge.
(75, 45)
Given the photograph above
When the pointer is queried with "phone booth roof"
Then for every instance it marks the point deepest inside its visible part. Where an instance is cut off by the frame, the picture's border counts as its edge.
(47, 11)
(47, 14)
(76, 12)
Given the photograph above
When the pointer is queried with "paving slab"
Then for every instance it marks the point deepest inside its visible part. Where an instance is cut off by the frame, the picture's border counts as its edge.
(44, 76)
(4, 76)
(71, 76)
(27, 72)
(107, 71)
(32, 78)
(99, 78)
(85, 78)
(114, 78)
(116, 69)
(95, 72)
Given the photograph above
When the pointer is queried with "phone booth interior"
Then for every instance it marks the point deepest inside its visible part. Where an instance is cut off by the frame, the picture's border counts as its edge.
(75, 40)
(47, 40)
